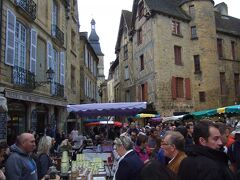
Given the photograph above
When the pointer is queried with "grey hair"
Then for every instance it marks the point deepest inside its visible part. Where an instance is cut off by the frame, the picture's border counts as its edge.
(176, 138)
(125, 141)
(44, 145)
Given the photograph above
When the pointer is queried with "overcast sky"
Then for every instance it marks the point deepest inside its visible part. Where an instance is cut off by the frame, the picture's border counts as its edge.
(107, 17)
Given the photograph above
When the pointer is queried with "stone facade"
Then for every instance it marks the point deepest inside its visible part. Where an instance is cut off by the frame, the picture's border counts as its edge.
(160, 34)
(36, 38)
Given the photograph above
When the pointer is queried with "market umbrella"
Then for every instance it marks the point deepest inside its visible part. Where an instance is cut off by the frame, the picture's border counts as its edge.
(204, 113)
(144, 115)
(115, 123)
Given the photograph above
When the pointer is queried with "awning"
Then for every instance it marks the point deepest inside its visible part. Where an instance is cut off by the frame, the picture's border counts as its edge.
(143, 115)
(107, 109)
(94, 120)
(115, 123)
(204, 113)
(172, 118)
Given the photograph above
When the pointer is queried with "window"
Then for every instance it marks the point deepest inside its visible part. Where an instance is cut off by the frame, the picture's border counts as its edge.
(176, 27)
(19, 76)
(236, 85)
(139, 36)
(141, 62)
(179, 87)
(73, 80)
(144, 94)
(73, 37)
(125, 51)
(54, 13)
(177, 54)
(197, 66)
(192, 11)
(220, 48)
(140, 10)
(223, 83)
(202, 96)
(233, 50)
(193, 32)
(126, 73)
(127, 96)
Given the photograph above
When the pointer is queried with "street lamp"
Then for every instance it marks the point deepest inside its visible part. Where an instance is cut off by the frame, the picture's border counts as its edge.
(50, 75)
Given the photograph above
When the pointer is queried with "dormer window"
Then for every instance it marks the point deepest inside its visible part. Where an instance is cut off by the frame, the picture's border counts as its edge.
(140, 10)
(176, 27)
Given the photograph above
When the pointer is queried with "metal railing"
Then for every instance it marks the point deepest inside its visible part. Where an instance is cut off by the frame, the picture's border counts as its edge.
(23, 78)
(57, 33)
(28, 6)
(57, 89)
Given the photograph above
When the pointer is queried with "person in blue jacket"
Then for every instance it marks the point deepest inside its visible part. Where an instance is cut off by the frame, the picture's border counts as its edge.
(20, 165)
(129, 165)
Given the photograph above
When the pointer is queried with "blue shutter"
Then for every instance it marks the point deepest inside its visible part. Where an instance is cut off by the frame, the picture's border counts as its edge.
(33, 51)
(49, 55)
(10, 38)
(62, 68)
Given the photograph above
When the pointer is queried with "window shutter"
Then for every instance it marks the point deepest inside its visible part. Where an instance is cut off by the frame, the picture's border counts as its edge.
(62, 68)
(33, 51)
(145, 91)
(188, 89)
(49, 55)
(174, 90)
(139, 89)
(10, 38)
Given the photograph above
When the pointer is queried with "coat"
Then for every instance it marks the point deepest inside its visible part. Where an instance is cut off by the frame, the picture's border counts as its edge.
(175, 163)
(204, 163)
(129, 167)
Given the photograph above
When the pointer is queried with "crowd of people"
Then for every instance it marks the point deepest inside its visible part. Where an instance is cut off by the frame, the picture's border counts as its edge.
(203, 150)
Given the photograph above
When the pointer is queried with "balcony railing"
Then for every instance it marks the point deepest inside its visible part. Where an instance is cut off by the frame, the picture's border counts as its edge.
(57, 89)
(57, 34)
(28, 6)
(23, 78)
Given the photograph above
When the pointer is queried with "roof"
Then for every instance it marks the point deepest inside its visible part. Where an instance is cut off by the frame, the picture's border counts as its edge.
(126, 18)
(227, 24)
(94, 40)
(167, 7)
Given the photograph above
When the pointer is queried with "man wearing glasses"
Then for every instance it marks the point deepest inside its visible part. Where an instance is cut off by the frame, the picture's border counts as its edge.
(129, 164)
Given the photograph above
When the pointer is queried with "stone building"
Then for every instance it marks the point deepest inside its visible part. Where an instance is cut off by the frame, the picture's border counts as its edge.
(38, 38)
(88, 73)
(185, 55)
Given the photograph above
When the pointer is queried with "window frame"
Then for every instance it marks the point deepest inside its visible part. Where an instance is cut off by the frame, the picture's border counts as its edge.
(197, 64)
(220, 48)
(178, 55)
(179, 87)
(176, 28)
(141, 62)
(202, 96)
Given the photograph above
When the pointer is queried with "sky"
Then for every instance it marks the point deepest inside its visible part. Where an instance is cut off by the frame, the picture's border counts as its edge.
(107, 13)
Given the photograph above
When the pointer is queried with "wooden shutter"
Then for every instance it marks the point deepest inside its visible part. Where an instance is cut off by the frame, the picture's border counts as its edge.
(145, 91)
(174, 90)
(49, 55)
(33, 51)
(188, 89)
(62, 68)
(10, 38)
(139, 89)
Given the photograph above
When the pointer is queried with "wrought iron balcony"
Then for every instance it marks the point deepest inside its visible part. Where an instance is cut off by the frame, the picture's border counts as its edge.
(23, 78)
(57, 34)
(57, 89)
(28, 6)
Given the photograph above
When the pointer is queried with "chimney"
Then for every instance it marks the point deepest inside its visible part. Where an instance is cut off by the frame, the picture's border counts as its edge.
(222, 8)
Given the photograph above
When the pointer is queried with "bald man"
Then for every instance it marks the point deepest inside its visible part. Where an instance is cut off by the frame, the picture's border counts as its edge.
(20, 165)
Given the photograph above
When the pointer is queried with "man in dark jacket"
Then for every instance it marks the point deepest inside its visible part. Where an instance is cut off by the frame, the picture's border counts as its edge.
(20, 166)
(129, 165)
(205, 161)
